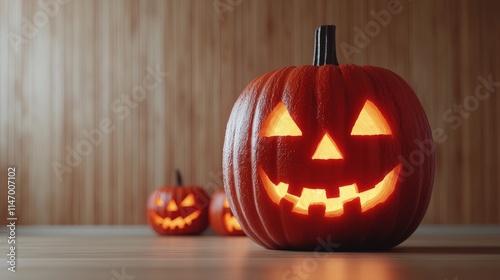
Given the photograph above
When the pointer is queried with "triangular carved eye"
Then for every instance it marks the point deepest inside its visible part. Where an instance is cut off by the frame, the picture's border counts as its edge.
(279, 123)
(158, 201)
(371, 122)
(188, 201)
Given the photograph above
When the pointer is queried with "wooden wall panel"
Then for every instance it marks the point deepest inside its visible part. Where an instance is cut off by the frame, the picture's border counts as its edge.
(86, 59)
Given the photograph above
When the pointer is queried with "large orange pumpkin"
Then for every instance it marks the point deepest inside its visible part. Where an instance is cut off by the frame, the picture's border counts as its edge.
(320, 153)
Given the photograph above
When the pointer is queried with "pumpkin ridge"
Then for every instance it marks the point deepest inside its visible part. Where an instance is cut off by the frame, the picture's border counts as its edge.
(254, 88)
(423, 122)
(380, 87)
(280, 76)
(383, 77)
(286, 235)
(257, 86)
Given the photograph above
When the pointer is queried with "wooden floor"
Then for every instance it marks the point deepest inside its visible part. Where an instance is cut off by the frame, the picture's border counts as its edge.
(135, 253)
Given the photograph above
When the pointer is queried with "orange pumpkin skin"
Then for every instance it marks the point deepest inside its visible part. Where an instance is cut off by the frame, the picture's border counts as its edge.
(221, 218)
(322, 100)
(181, 210)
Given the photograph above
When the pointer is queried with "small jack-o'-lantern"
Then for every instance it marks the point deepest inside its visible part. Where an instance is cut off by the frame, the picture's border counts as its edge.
(221, 218)
(179, 210)
(317, 153)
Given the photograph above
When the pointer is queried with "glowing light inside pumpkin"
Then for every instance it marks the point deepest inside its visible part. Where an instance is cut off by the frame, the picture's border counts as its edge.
(280, 123)
(229, 220)
(333, 206)
(231, 223)
(327, 149)
(371, 121)
(188, 201)
(171, 206)
(158, 202)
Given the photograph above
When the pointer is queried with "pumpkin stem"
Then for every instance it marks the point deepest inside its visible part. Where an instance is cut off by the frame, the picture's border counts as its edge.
(178, 177)
(324, 46)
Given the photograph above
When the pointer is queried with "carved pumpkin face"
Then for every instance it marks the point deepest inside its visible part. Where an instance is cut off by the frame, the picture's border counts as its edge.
(319, 153)
(221, 218)
(326, 190)
(178, 210)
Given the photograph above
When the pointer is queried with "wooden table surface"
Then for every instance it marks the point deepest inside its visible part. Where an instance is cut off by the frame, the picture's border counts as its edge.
(135, 253)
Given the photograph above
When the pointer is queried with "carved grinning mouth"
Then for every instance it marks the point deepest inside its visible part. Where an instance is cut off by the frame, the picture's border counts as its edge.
(333, 205)
(179, 222)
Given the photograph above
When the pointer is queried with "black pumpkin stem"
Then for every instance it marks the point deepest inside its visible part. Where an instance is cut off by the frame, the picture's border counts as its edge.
(178, 177)
(324, 46)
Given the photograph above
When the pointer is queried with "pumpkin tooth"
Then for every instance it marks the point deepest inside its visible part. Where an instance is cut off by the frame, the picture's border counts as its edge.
(332, 192)
(352, 207)
(295, 190)
(348, 192)
(364, 186)
(288, 204)
(316, 210)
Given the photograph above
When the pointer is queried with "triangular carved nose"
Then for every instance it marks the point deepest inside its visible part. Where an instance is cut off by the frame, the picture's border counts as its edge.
(172, 206)
(327, 149)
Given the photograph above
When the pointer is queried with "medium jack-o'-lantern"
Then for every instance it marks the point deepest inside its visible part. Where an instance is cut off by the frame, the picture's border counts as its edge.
(221, 218)
(179, 210)
(317, 153)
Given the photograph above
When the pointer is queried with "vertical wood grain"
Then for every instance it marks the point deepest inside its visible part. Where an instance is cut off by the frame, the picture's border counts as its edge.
(82, 66)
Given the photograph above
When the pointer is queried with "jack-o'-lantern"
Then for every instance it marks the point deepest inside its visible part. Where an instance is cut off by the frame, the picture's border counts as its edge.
(221, 218)
(178, 210)
(318, 152)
